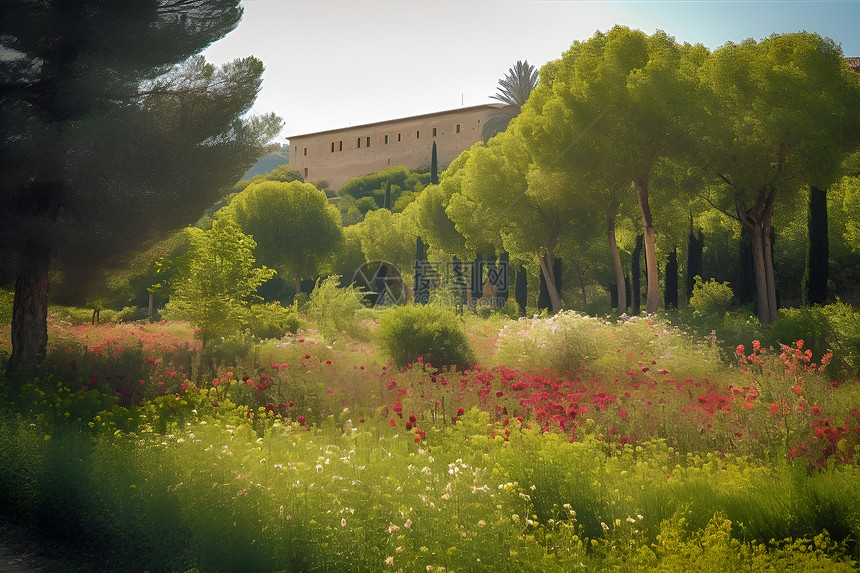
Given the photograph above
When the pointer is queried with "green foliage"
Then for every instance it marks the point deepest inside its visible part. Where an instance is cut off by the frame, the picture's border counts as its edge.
(400, 179)
(6, 299)
(334, 309)
(220, 281)
(435, 335)
(297, 231)
(832, 328)
(711, 297)
(389, 237)
(271, 320)
(366, 204)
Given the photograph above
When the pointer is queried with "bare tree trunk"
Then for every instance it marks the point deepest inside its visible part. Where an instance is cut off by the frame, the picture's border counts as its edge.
(620, 282)
(30, 309)
(652, 301)
(150, 305)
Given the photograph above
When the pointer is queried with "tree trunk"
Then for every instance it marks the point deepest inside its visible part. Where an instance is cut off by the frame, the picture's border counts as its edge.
(546, 267)
(818, 249)
(547, 264)
(756, 222)
(652, 302)
(150, 305)
(30, 309)
(620, 283)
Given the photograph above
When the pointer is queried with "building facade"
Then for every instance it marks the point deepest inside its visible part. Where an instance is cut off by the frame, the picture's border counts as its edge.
(339, 155)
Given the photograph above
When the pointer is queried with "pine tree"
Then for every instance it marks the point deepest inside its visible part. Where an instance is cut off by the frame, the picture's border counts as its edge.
(113, 136)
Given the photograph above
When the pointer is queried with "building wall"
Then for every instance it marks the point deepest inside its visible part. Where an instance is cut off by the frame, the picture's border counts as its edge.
(339, 155)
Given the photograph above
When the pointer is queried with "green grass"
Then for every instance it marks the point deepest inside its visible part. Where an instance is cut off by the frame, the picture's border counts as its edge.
(590, 445)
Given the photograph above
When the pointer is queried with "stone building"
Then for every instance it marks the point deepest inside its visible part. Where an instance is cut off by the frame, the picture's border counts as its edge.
(338, 155)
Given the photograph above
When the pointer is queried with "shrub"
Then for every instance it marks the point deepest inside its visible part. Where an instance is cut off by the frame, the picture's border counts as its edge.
(834, 327)
(334, 309)
(271, 320)
(434, 334)
(566, 341)
(711, 297)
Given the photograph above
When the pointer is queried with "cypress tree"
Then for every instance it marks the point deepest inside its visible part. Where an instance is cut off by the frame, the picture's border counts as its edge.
(636, 286)
(695, 248)
(521, 289)
(459, 283)
(477, 283)
(422, 286)
(503, 282)
(746, 282)
(434, 167)
(670, 294)
(818, 250)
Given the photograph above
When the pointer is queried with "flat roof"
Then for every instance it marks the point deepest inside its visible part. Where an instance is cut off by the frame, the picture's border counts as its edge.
(423, 116)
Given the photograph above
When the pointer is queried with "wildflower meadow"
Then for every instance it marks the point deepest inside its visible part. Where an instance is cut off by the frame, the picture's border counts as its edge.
(572, 443)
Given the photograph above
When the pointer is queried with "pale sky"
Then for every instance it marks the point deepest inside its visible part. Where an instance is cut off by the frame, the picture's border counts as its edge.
(335, 63)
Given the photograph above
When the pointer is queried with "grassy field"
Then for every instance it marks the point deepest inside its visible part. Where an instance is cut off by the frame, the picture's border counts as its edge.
(572, 443)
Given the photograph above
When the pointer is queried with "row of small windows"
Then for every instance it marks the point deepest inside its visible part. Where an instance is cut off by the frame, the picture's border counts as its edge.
(338, 145)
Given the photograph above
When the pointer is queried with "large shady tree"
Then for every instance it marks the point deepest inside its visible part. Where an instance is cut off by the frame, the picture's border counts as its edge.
(613, 107)
(112, 136)
(787, 109)
(297, 231)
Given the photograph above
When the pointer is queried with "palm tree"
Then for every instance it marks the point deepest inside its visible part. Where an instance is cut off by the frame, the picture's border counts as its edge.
(514, 90)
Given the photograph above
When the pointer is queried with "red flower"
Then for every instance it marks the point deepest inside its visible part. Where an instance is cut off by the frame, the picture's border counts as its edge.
(328, 361)
(398, 407)
(392, 422)
(816, 410)
(774, 408)
(300, 419)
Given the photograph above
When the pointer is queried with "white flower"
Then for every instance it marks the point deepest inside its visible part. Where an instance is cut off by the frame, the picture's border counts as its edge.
(389, 560)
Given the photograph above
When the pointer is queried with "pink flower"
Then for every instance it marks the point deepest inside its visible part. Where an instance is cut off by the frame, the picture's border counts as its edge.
(300, 420)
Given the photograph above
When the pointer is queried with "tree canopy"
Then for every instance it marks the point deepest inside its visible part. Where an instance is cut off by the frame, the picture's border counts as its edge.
(298, 232)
